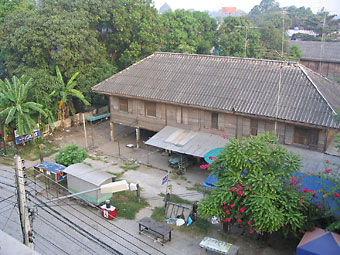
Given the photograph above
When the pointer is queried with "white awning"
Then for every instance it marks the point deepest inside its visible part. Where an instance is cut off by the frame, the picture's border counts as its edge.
(186, 141)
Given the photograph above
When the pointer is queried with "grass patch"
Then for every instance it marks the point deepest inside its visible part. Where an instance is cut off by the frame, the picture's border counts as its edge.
(200, 226)
(176, 199)
(158, 214)
(129, 166)
(31, 150)
(6, 161)
(118, 175)
(127, 205)
(197, 187)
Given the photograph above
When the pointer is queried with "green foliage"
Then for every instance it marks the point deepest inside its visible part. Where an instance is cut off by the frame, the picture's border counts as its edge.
(71, 154)
(54, 34)
(158, 213)
(295, 53)
(237, 38)
(127, 204)
(254, 188)
(188, 32)
(129, 166)
(16, 108)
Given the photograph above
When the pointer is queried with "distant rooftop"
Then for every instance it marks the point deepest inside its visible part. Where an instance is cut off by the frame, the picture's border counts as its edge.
(319, 51)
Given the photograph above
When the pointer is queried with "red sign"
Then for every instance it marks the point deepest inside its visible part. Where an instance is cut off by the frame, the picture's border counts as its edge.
(229, 10)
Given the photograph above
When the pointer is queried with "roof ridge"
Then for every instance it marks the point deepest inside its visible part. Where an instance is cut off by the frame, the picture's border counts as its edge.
(121, 71)
(302, 67)
(230, 57)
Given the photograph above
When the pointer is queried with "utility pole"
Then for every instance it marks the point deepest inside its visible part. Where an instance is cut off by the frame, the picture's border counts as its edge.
(22, 203)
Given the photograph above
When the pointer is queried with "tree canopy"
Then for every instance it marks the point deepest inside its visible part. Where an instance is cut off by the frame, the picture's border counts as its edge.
(255, 187)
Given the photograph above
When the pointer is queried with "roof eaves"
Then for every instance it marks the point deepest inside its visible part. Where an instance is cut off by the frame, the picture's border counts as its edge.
(316, 87)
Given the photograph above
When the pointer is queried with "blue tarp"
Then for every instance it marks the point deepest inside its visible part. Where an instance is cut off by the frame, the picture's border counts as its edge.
(210, 181)
(54, 168)
(315, 183)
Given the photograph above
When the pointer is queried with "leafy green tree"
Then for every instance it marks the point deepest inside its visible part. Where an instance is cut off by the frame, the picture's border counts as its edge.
(237, 37)
(295, 53)
(188, 32)
(9, 6)
(17, 111)
(71, 154)
(129, 29)
(65, 93)
(54, 34)
(255, 187)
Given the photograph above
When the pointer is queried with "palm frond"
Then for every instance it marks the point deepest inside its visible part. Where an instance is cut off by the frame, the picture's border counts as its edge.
(36, 107)
(10, 115)
(70, 84)
(78, 94)
(60, 77)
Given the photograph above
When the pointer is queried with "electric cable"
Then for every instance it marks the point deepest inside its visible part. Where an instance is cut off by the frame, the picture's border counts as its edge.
(10, 215)
(79, 227)
(110, 224)
(55, 246)
(77, 242)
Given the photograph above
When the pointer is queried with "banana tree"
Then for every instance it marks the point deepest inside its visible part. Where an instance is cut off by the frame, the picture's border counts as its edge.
(65, 94)
(17, 111)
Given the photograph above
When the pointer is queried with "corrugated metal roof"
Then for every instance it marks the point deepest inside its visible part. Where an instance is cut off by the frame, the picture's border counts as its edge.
(229, 84)
(88, 174)
(324, 51)
(186, 141)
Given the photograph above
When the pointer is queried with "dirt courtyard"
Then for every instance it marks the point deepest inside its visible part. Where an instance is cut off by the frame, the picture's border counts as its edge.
(109, 156)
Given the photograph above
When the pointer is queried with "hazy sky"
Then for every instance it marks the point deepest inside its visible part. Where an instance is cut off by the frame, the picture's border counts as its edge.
(332, 6)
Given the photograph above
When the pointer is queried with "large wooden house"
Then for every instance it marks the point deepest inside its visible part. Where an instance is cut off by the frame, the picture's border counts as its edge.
(239, 97)
(321, 57)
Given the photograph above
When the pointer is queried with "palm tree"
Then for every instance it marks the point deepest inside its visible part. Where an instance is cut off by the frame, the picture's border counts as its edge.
(16, 109)
(66, 92)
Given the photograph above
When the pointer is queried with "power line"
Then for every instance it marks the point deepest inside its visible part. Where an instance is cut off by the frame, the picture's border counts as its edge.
(55, 246)
(110, 224)
(78, 242)
(10, 215)
(76, 225)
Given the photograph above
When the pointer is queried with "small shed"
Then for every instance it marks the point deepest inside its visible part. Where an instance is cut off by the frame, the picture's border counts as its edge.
(81, 177)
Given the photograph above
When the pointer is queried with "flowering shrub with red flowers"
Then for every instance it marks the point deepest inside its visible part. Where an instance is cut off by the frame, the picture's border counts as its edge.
(324, 211)
(256, 189)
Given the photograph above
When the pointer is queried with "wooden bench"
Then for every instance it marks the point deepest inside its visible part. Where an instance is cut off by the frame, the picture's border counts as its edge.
(212, 244)
(98, 117)
(157, 228)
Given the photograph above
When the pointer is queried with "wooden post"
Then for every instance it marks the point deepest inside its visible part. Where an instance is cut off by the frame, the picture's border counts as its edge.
(85, 130)
(138, 192)
(92, 135)
(137, 136)
(41, 155)
(112, 131)
(118, 148)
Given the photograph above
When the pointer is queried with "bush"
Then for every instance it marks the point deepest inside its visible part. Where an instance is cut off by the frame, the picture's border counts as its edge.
(71, 154)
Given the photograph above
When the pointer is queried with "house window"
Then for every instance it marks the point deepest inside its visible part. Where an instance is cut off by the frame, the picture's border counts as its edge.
(306, 136)
(214, 120)
(253, 127)
(150, 109)
(123, 104)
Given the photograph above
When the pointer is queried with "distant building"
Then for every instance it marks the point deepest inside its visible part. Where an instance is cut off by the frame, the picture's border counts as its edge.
(321, 57)
(165, 7)
(238, 97)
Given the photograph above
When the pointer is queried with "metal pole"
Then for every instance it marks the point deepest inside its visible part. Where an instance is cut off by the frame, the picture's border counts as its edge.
(22, 204)
(85, 131)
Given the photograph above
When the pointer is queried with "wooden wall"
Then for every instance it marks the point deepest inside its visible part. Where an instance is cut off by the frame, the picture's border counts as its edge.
(200, 120)
(328, 69)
